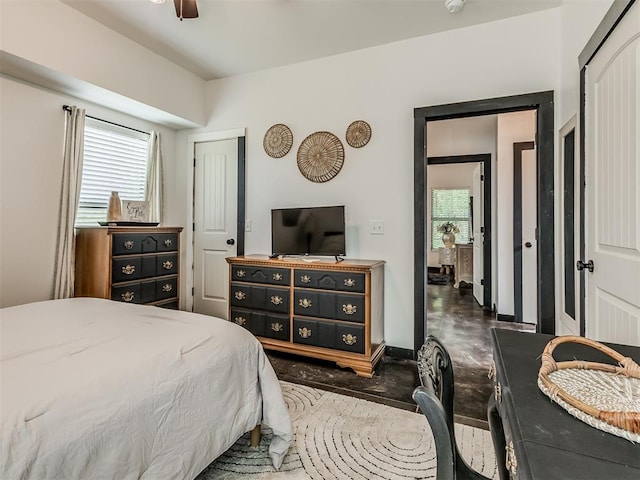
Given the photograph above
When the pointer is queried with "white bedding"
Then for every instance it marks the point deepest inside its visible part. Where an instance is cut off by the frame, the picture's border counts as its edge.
(95, 389)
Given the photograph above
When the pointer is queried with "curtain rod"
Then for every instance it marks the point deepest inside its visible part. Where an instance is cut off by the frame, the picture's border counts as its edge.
(67, 108)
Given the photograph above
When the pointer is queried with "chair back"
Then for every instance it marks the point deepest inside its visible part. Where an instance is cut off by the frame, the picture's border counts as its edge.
(435, 399)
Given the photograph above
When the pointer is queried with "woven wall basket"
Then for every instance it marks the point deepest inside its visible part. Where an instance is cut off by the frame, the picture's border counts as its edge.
(320, 156)
(604, 396)
(278, 140)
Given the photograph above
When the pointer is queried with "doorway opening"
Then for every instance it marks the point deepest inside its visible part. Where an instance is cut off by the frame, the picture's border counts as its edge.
(542, 104)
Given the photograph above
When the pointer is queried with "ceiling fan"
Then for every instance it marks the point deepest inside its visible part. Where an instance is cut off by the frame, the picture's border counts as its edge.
(186, 8)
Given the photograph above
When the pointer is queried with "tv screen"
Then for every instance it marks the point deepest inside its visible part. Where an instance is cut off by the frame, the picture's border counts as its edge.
(308, 231)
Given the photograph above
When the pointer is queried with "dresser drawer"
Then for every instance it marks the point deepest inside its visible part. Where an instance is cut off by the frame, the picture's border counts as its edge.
(272, 299)
(268, 275)
(131, 293)
(166, 264)
(249, 320)
(332, 335)
(165, 288)
(342, 281)
(131, 243)
(167, 242)
(126, 269)
(329, 305)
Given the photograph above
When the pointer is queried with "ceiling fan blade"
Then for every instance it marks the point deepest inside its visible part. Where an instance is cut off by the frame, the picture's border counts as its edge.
(186, 8)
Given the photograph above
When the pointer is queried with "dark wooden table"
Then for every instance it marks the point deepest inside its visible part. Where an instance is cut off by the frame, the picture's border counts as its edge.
(548, 442)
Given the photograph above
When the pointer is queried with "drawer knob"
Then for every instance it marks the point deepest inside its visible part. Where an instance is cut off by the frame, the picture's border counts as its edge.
(277, 277)
(492, 371)
(167, 287)
(277, 327)
(497, 390)
(349, 282)
(129, 269)
(304, 332)
(240, 321)
(276, 300)
(167, 264)
(510, 461)
(304, 302)
(305, 279)
(128, 296)
(241, 274)
(349, 309)
(240, 295)
(168, 242)
(349, 339)
(128, 244)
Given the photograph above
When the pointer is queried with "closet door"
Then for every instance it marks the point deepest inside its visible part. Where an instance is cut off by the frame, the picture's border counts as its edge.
(613, 186)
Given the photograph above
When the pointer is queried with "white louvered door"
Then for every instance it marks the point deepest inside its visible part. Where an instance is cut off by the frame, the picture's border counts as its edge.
(613, 186)
(215, 212)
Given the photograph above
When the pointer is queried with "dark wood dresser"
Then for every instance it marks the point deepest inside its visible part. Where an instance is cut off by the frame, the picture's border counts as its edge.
(129, 264)
(541, 440)
(324, 309)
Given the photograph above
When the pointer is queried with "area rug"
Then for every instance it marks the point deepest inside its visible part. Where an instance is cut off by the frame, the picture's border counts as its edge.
(340, 437)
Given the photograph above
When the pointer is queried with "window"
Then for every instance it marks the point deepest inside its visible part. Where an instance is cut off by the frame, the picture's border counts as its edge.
(115, 159)
(450, 205)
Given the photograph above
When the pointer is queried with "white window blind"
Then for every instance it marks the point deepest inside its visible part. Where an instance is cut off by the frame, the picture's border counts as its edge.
(450, 205)
(115, 159)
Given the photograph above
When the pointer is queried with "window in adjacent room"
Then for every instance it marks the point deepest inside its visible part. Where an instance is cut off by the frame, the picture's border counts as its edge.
(450, 205)
(115, 159)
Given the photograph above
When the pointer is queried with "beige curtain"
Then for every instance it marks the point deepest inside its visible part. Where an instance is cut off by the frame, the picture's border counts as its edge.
(63, 276)
(154, 187)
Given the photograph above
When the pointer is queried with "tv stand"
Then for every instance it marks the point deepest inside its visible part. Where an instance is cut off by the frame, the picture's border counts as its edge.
(328, 310)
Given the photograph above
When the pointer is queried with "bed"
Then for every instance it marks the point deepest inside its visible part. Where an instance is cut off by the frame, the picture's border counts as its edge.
(91, 388)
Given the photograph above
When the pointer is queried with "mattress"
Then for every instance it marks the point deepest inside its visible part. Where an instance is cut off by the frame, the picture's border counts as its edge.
(95, 389)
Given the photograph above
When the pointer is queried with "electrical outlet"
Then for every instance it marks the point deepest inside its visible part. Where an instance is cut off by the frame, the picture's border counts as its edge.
(247, 225)
(377, 227)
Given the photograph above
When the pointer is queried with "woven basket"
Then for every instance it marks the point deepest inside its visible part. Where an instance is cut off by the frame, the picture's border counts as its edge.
(604, 396)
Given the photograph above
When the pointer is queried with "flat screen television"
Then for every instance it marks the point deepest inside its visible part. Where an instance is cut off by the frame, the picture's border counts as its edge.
(308, 231)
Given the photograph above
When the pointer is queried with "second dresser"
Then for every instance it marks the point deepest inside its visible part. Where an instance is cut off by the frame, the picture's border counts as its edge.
(323, 309)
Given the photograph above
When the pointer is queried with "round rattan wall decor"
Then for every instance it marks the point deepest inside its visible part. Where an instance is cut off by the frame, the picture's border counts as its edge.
(358, 133)
(320, 156)
(278, 140)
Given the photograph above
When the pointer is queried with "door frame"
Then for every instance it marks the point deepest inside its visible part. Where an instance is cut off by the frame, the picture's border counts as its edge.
(192, 140)
(542, 102)
(610, 21)
(484, 159)
(518, 148)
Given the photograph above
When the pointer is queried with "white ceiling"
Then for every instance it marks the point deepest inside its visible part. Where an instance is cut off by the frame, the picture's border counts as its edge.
(238, 36)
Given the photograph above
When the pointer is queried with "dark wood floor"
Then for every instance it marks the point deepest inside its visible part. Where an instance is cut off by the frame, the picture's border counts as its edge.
(460, 324)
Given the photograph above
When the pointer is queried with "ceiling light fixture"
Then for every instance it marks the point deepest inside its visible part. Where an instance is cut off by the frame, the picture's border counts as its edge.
(157, 1)
(454, 6)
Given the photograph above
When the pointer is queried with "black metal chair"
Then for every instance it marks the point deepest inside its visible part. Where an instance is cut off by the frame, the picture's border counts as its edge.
(435, 399)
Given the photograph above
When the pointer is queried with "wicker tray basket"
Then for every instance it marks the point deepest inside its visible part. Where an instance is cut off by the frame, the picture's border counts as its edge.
(604, 396)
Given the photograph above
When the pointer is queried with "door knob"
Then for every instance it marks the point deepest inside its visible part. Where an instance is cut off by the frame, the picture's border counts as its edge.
(580, 265)
(231, 241)
(528, 244)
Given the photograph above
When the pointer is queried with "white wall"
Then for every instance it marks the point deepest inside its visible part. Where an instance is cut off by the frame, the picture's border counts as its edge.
(512, 128)
(97, 61)
(31, 140)
(381, 85)
(455, 175)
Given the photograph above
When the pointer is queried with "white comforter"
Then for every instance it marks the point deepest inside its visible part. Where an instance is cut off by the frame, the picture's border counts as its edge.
(95, 389)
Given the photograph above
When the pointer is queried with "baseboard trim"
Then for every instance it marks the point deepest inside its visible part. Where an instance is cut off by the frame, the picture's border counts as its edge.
(400, 353)
(501, 317)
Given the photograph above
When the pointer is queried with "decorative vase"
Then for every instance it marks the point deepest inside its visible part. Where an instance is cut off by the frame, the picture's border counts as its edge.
(114, 211)
(449, 239)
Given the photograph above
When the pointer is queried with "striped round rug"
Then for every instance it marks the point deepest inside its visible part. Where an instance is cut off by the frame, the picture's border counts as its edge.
(341, 437)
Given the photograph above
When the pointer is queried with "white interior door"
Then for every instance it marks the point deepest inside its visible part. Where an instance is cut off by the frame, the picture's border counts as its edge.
(529, 243)
(477, 192)
(215, 224)
(613, 186)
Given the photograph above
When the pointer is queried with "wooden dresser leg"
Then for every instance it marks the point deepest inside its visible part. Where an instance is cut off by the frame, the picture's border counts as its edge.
(255, 436)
